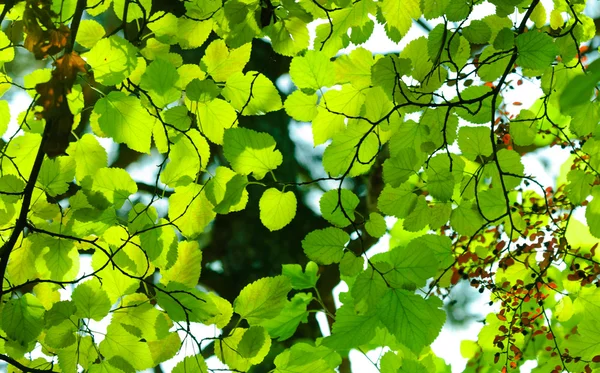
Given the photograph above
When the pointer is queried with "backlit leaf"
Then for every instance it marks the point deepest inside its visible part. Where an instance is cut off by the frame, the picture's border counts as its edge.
(262, 299)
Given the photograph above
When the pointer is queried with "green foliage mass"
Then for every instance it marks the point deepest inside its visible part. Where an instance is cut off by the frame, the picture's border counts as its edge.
(242, 229)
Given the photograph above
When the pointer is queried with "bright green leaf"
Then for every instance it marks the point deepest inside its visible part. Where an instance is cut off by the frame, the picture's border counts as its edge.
(91, 300)
(263, 299)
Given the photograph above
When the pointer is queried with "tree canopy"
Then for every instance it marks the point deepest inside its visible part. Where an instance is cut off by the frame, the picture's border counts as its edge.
(181, 163)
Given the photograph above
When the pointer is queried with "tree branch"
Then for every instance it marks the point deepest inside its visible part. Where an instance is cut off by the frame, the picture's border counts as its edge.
(6, 249)
(25, 368)
(75, 24)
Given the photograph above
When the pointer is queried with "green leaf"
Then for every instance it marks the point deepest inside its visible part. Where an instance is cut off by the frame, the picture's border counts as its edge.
(443, 173)
(301, 107)
(347, 101)
(510, 162)
(202, 90)
(115, 184)
(355, 68)
(235, 192)
(301, 279)
(505, 39)
(475, 142)
(402, 165)
(465, 219)
(325, 246)
(124, 119)
(277, 209)
(252, 342)
(592, 147)
(360, 34)
(89, 33)
(227, 350)
(114, 282)
(442, 128)
(90, 156)
(585, 119)
(351, 329)
(492, 203)
(376, 225)
(313, 71)
(536, 50)
(191, 33)
(419, 217)
(112, 60)
(580, 185)
(91, 300)
(56, 174)
(592, 212)
(263, 299)
(439, 214)
(289, 36)
(479, 112)
(140, 318)
(495, 64)
(410, 268)
(188, 72)
(303, 357)
(252, 93)
(217, 189)
(7, 51)
(242, 21)
(434, 8)
(164, 26)
(441, 246)
(414, 321)
(538, 16)
(478, 32)
(399, 14)
(119, 343)
(189, 155)
(418, 52)
(159, 81)
(331, 40)
(165, 349)
(351, 265)
(251, 152)
(581, 86)
(4, 115)
(326, 124)
(214, 117)
(523, 129)
(22, 319)
(368, 288)
(61, 335)
(331, 204)
(285, 324)
(191, 364)
(186, 269)
(135, 11)
(398, 202)
(178, 117)
(586, 343)
(59, 312)
(190, 210)
(160, 244)
(342, 154)
(221, 62)
(58, 259)
(189, 304)
(84, 352)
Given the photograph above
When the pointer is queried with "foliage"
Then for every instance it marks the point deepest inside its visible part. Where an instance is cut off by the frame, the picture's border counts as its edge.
(102, 272)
